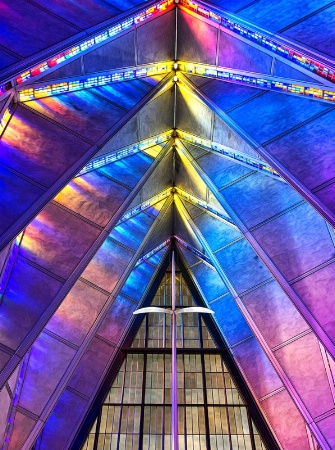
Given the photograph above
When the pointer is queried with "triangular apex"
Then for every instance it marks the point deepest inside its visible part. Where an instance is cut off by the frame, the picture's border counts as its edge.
(212, 412)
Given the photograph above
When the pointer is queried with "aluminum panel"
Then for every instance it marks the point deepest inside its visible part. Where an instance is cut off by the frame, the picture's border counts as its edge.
(312, 34)
(151, 123)
(222, 171)
(28, 294)
(93, 196)
(21, 20)
(230, 320)
(192, 115)
(91, 367)
(128, 170)
(48, 360)
(210, 282)
(316, 291)
(13, 203)
(297, 241)
(125, 94)
(108, 264)
(303, 363)
(196, 40)
(160, 45)
(85, 113)
(118, 53)
(285, 419)
(308, 151)
(273, 113)
(265, 14)
(38, 244)
(259, 197)
(216, 232)
(133, 231)
(257, 368)
(236, 54)
(79, 13)
(62, 421)
(77, 313)
(242, 266)
(274, 314)
(225, 135)
(30, 145)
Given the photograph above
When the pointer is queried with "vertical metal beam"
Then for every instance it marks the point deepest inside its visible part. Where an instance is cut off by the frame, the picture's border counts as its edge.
(174, 374)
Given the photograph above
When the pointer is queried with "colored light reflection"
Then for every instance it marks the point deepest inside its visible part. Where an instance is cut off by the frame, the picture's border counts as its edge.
(194, 251)
(230, 153)
(206, 206)
(4, 119)
(104, 160)
(260, 82)
(87, 82)
(259, 39)
(9, 263)
(106, 35)
(145, 205)
(153, 251)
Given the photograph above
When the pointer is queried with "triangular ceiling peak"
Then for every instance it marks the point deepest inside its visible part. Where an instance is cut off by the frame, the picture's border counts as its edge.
(177, 123)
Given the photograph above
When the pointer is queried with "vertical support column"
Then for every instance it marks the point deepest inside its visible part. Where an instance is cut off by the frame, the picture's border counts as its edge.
(174, 375)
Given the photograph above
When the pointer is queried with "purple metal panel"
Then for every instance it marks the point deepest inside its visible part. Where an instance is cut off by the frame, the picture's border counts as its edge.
(258, 369)
(108, 265)
(77, 313)
(302, 362)
(114, 324)
(28, 294)
(91, 367)
(286, 421)
(196, 40)
(30, 145)
(236, 54)
(54, 222)
(48, 360)
(327, 427)
(297, 241)
(21, 428)
(274, 314)
(307, 151)
(317, 292)
(83, 112)
(62, 421)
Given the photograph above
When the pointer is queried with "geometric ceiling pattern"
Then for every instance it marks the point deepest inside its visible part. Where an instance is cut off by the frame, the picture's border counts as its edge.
(129, 128)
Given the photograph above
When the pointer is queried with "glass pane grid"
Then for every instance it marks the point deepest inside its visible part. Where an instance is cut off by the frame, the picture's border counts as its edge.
(137, 410)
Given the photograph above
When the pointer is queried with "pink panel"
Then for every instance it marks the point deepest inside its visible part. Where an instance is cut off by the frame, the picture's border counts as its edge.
(302, 362)
(52, 240)
(49, 359)
(91, 366)
(114, 324)
(327, 427)
(317, 292)
(22, 428)
(287, 421)
(274, 314)
(259, 371)
(108, 265)
(76, 315)
(5, 402)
